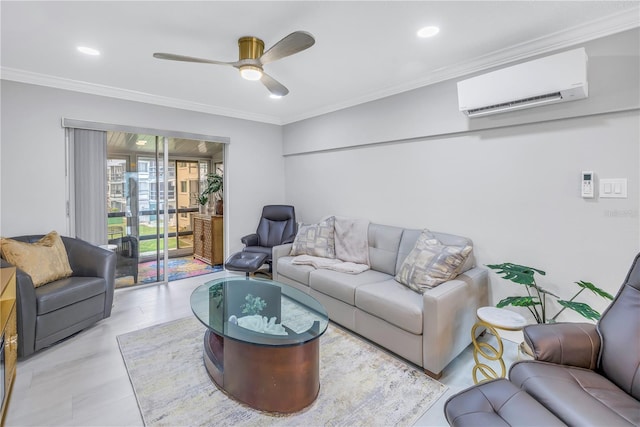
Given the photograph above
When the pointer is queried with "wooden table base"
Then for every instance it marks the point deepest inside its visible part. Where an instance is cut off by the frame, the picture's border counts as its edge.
(281, 379)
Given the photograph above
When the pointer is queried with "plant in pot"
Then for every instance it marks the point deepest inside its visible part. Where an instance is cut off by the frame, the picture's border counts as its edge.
(215, 186)
(536, 299)
(203, 199)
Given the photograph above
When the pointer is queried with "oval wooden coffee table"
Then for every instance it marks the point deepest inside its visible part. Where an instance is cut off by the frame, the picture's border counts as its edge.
(265, 370)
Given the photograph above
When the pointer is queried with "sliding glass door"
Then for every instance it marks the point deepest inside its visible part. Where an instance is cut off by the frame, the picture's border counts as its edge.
(151, 200)
(136, 199)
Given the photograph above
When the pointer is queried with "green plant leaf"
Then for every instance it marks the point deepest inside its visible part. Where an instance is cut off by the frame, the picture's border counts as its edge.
(519, 302)
(593, 288)
(579, 307)
(520, 274)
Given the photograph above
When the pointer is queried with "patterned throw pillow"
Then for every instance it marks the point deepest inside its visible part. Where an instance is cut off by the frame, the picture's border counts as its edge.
(431, 263)
(45, 260)
(315, 240)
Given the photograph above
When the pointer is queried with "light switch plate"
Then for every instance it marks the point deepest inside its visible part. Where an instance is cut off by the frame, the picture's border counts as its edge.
(613, 188)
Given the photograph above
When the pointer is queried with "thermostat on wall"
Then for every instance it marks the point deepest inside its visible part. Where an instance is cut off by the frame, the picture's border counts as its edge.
(587, 184)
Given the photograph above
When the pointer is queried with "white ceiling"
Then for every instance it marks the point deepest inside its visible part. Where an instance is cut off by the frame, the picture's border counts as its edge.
(364, 50)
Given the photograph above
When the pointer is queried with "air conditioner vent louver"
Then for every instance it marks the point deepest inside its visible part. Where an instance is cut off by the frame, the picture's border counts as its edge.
(559, 78)
(520, 103)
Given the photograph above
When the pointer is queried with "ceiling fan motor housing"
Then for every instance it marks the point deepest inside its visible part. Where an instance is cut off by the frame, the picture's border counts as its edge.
(250, 47)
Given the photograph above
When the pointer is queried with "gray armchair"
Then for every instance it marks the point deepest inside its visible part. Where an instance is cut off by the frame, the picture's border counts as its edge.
(583, 375)
(277, 226)
(59, 309)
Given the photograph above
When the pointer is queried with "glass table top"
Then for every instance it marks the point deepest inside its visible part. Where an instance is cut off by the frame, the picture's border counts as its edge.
(259, 311)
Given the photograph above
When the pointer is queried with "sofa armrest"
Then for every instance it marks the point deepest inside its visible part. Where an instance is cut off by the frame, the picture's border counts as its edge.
(278, 252)
(250, 240)
(574, 344)
(87, 260)
(449, 313)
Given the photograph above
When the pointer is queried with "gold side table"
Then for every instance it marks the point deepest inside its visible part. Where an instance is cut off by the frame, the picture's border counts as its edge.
(493, 318)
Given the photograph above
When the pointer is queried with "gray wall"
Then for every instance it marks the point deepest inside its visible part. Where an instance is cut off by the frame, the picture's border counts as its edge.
(32, 156)
(510, 182)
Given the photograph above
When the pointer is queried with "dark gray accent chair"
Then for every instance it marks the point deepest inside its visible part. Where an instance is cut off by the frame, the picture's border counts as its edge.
(128, 254)
(583, 374)
(277, 226)
(59, 309)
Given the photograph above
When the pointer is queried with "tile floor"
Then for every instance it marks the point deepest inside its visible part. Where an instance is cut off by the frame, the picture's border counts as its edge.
(83, 381)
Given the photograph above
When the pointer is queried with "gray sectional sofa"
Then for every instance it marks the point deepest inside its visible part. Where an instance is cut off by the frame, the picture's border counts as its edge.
(429, 330)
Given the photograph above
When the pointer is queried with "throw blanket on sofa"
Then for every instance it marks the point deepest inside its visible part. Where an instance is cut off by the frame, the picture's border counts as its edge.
(330, 264)
(352, 240)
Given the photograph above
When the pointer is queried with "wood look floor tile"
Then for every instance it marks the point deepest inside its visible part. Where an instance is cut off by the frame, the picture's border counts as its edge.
(83, 381)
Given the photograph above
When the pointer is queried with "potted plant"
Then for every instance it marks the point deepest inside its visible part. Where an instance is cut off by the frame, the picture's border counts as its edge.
(215, 186)
(203, 199)
(536, 299)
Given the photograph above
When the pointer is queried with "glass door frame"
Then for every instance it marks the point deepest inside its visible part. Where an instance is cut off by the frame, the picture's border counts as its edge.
(70, 123)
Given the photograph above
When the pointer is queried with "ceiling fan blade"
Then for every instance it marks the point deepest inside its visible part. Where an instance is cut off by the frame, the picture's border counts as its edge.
(293, 43)
(174, 57)
(275, 87)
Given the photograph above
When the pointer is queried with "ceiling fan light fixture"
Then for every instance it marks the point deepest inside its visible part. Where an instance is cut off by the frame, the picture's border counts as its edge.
(250, 72)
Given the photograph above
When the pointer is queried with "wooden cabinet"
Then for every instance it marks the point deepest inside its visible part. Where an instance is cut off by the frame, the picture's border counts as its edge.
(207, 239)
(9, 333)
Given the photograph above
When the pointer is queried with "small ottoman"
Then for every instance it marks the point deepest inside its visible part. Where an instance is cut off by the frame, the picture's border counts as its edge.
(247, 262)
(497, 403)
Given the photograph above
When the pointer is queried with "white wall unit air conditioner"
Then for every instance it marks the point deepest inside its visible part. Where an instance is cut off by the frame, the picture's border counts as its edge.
(556, 78)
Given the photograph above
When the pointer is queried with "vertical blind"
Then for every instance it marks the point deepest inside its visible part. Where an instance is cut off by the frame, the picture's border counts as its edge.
(90, 176)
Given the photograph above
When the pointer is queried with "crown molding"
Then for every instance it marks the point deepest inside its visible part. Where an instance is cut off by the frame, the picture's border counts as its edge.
(591, 30)
(23, 76)
(611, 24)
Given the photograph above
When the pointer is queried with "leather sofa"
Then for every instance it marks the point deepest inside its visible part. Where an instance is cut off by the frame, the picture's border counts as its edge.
(583, 374)
(59, 309)
(429, 330)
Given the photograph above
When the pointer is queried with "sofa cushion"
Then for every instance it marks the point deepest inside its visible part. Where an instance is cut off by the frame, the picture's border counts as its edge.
(315, 240)
(431, 263)
(384, 241)
(299, 273)
(352, 240)
(410, 237)
(64, 292)
(45, 260)
(577, 396)
(342, 286)
(392, 302)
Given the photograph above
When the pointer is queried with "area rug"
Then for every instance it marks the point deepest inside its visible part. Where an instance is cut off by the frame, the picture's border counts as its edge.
(360, 385)
(178, 268)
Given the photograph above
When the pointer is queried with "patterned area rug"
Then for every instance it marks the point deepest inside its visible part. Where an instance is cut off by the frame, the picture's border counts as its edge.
(179, 268)
(360, 385)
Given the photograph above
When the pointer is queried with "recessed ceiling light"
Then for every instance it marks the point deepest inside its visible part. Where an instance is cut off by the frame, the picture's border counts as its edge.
(88, 51)
(141, 142)
(428, 31)
(274, 96)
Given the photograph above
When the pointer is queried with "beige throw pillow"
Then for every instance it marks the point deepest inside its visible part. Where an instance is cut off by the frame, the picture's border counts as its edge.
(45, 260)
(431, 263)
(315, 240)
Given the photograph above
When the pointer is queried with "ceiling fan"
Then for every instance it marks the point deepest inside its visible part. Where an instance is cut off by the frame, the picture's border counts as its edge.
(252, 58)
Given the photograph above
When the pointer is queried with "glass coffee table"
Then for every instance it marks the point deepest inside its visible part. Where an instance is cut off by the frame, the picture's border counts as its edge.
(261, 345)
